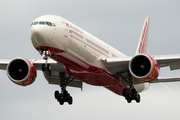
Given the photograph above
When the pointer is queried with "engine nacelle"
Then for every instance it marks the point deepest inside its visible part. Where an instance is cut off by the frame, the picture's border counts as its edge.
(21, 71)
(144, 68)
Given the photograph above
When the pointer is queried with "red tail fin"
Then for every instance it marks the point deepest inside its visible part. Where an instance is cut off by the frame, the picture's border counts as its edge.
(142, 46)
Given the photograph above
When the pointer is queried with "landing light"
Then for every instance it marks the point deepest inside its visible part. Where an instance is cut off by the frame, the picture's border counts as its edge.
(43, 52)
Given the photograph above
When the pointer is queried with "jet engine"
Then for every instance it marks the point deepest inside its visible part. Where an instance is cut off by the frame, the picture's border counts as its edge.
(144, 68)
(21, 71)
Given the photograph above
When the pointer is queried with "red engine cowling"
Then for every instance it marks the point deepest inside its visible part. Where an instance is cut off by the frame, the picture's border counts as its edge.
(21, 71)
(144, 68)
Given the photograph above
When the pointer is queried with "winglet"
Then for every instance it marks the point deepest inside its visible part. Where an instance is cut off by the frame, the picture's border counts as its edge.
(142, 45)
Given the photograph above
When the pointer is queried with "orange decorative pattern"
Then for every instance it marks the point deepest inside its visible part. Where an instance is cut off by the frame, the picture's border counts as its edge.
(154, 73)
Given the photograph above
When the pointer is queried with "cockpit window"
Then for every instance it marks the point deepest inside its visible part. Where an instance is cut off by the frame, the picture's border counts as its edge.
(44, 23)
(48, 23)
(34, 23)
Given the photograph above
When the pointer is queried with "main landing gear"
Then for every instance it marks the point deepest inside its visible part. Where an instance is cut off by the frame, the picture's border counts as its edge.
(63, 96)
(129, 93)
(132, 94)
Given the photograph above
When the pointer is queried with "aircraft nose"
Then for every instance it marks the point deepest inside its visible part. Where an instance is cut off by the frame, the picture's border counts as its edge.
(40, 35)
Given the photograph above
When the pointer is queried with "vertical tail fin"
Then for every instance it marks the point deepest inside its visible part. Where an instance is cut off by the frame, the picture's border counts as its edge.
(142, 45)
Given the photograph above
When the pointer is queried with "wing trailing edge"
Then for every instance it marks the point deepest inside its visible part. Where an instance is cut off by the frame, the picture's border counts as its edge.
(167, 79)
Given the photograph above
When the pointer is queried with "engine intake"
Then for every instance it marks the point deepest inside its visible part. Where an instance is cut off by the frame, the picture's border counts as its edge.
(144, 68)
(21, 71)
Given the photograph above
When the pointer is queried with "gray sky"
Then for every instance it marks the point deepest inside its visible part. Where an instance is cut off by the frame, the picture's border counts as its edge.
(116, 22)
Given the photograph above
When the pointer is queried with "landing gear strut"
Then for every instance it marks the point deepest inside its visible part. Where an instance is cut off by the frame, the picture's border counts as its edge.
(62, 96)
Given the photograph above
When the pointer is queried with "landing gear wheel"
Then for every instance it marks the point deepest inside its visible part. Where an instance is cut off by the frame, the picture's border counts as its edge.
(129, 100)
(125, 93)
(70, 100)
(132, 94)
(61, 99)
(138, 99)
(56, 94)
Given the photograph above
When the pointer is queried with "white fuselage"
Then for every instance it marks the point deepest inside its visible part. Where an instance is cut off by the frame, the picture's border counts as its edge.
(56, 32)
(72, 39)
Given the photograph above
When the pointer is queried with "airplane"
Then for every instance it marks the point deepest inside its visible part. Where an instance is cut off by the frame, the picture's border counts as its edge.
(72, 56)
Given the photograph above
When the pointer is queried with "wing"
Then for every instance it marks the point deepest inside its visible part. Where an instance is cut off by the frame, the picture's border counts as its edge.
(167, 79)
(116, 64)
(173, 61)
(37, 63)
(56, 68)
(120, 65)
